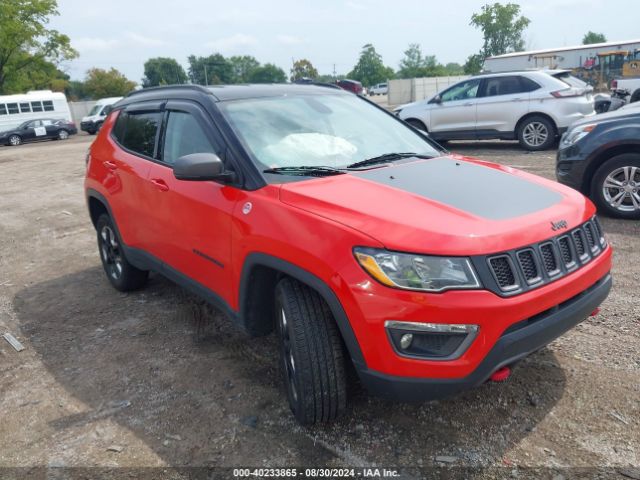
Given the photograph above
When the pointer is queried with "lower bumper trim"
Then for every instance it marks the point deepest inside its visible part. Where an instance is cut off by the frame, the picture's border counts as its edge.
(510, 348)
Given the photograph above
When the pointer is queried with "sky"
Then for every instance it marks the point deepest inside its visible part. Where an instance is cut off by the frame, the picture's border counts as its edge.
(125, 33)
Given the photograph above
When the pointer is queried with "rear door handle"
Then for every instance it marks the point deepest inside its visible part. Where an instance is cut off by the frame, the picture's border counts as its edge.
(516, 99)
(110, 165)
(160, 184)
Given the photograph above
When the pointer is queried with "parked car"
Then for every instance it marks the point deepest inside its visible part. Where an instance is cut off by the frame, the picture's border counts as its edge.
(34, 130)
(600, 157)
(534, 107)
(17, 109)
(352, 86)
(379, 89)
(310, 211)
(93, 122)
(631, 84)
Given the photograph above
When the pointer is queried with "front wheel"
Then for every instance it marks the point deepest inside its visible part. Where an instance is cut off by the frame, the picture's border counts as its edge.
(63, 135)
(15, 140)
(616, 186)
(417, 124)
(536, 133)
(311, 353)
(122, 275)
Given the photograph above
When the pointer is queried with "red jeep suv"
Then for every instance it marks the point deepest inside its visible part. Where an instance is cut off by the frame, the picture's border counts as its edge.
(312, 211)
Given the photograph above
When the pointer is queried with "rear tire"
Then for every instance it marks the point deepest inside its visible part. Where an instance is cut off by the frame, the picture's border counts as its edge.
(536, 133)
(311, 353)
(635, 97)
(122, 275)
(15, 140)
(616, 186)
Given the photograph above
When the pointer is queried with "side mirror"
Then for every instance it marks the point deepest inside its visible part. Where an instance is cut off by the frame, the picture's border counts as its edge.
(201, 166)
(436, 99)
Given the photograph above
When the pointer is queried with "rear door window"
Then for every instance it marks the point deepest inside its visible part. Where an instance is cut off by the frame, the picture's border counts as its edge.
(502, 86)
(138, 132)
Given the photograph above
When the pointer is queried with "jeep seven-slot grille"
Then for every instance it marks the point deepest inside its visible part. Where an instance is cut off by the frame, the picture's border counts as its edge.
(542, 263)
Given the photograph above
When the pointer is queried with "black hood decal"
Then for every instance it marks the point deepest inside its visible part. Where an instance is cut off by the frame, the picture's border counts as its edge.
(479, 190)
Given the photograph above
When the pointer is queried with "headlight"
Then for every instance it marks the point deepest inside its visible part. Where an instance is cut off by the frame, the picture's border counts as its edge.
(578, 133)
(417, 272)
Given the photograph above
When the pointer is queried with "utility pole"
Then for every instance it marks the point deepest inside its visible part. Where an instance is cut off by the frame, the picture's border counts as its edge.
(334, 71)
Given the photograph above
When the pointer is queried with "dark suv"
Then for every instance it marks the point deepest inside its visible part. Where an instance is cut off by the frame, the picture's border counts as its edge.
(601, 158)
(313, 212)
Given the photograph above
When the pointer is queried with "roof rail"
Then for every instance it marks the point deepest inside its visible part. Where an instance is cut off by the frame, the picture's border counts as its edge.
(324, 84)
(198, 88)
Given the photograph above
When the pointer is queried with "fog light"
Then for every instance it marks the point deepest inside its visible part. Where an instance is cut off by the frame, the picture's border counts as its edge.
(405, 341)
(433, 341)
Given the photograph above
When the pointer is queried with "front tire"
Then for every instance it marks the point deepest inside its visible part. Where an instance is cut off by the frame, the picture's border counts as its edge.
(616, 186)
(63, 135)
(122, 275)
(536, 133)
(311, 353)
(417, 124)
(15, 140)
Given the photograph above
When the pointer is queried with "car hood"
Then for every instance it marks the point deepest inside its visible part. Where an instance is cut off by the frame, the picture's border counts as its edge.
(449, 205)
(609, 116)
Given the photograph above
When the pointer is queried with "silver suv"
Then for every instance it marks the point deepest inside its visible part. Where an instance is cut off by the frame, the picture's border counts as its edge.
(534, 107)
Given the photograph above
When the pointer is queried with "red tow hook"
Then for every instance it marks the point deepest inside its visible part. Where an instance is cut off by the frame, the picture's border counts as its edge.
(595, 312)
(500, 375)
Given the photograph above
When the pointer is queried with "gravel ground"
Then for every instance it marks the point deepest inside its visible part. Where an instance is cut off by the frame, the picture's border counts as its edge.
(157, 378)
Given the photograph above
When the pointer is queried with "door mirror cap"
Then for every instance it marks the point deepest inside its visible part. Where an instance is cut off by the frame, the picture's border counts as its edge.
(201, 166)
(436, 99)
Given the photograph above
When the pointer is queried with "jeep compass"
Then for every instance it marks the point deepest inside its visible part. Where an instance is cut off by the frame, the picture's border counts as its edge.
(312, 212)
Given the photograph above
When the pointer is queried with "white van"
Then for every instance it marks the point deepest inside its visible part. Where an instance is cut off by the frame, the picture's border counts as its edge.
(35, 105)
(92, 122)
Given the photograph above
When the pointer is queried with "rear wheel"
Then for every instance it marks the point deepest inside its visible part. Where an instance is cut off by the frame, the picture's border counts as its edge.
(122, 275)
(616, 186)
(636, 96)
(15, 140)
(311, 353)
(536, 133)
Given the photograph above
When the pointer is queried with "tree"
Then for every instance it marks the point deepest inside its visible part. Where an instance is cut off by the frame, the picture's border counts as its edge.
(415, 65)
(370, 70)
(453, 68)
(303, 68)
(593, 37)
(473, 65)
(243, 67)
(211, 70)
(502, 27)
(268, 73)
(107, 83)
(163, 71)
(25, 39)
(38, 74)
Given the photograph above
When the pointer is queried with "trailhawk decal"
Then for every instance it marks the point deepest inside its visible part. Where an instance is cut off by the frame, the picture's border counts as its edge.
(481, 191)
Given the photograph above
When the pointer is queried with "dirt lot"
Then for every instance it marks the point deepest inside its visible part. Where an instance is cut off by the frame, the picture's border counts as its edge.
(156, 378)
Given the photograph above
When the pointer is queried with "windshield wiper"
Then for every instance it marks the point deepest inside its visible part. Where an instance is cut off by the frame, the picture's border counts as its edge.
(387, 157)
(304, 170)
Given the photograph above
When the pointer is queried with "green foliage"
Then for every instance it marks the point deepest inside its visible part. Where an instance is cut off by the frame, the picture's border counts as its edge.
(473, 65)
(502, 27)
(593, 37)
(27, 45)
(107, 83)
(75, 91)
(211, 70)
(243, 68)
(267, 73)
(370, 70)
(163, 71)
(415, 65)
(303, 68)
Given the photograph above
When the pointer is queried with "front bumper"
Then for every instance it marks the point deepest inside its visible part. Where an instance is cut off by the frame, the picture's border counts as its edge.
(571, 163)
(518, 341)
(88, 126)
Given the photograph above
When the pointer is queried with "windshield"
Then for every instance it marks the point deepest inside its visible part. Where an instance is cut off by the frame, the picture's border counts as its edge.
(318, 130)
(95, 110)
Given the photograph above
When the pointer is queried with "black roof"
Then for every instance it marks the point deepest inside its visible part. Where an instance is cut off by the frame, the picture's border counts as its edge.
(221, 93)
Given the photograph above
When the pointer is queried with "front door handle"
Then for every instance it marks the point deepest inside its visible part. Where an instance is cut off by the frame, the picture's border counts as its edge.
(470, 104)
(110, 165)
(516, 99)
(160, 184)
